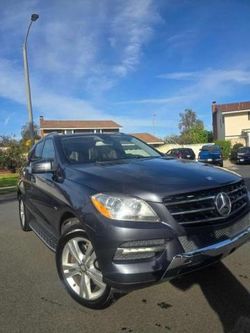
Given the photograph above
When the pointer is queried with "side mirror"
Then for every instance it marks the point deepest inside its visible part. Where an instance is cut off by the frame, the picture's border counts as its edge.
(42, 166)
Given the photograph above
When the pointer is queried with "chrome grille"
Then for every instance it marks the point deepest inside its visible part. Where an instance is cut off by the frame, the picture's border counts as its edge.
(199, 207)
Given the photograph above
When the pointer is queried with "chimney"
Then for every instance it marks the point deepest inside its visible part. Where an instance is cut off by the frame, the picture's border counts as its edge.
(214, 108)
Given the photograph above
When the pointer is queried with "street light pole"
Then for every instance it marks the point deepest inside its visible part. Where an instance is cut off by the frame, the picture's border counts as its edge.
(34, 17)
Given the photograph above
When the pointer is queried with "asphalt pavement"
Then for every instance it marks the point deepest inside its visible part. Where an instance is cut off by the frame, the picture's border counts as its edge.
(32, 299)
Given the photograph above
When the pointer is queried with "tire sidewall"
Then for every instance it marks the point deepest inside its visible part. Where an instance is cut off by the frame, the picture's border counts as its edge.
(99, 303)
(25, 225)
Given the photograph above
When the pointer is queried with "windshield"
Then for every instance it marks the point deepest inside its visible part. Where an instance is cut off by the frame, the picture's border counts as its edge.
(102, 148)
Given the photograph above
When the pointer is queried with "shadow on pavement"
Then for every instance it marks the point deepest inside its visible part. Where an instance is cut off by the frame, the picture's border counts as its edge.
(225, 294)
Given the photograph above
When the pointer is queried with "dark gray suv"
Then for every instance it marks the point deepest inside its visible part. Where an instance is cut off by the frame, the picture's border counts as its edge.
(120, 216)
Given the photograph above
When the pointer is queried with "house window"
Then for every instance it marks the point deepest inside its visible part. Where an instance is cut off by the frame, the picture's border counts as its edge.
(248, 115)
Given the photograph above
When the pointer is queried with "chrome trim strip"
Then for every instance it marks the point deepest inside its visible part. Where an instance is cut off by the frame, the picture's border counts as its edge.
(188, 201)
(222, 248)
(193, 211)
(237, 189)
(239, 198)
(215, 218)
(205, 198)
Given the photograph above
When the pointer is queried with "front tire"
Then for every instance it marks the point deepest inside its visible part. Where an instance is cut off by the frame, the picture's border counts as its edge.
(23, 216)
(78, 269)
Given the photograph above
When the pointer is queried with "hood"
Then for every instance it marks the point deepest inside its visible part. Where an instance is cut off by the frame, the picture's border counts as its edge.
(150, 179)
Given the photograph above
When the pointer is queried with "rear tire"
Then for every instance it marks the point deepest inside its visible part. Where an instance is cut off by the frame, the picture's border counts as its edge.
(78, 269)
(23, 216)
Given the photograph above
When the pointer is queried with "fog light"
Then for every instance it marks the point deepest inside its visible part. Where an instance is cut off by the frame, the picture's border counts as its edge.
(144, 249)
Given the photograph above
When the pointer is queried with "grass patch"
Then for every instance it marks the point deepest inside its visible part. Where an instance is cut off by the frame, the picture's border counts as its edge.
(8, 179)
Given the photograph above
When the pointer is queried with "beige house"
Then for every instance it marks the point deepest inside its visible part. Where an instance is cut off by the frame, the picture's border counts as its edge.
(77, 126)
(232, 122)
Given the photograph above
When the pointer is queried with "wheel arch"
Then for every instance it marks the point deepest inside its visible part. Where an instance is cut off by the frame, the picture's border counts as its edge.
(67, 215)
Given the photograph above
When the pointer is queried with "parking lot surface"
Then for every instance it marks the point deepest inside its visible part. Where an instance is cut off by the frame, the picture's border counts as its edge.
(32, 298)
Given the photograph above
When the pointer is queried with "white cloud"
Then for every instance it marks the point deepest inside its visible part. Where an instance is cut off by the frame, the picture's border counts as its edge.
(88, 46)
(6, 120)
(178, 75)
(215, 83)
(76, 53)
(131, 28)
(212, 76)
(59, 106)
(167, 100)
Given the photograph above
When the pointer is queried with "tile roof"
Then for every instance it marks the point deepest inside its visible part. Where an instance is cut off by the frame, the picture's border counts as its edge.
(78, 124)
(148, 138)
(231, 107)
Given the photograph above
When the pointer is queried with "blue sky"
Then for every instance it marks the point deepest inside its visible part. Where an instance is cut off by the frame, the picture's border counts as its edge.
(124, 60)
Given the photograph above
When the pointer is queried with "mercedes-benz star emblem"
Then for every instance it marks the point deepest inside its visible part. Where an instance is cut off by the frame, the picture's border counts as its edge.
(223, 204)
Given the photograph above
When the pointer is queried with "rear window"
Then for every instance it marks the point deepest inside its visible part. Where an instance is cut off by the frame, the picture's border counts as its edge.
(244, 150)
(187, 151)
(211, 148)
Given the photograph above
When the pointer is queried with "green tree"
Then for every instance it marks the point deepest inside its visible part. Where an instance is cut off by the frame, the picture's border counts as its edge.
(188, 120)
(25, 132)
(26, 138)
(192, 128)
(172, 139)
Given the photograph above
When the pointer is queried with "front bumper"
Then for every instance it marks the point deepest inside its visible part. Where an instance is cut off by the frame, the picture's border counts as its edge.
(243, 159)
(178, 257)
(185, 262)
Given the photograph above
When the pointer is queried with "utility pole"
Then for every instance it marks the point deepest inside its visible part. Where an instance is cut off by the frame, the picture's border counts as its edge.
(34, 17)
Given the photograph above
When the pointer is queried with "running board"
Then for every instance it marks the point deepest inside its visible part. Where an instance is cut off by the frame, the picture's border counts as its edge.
(49, 240)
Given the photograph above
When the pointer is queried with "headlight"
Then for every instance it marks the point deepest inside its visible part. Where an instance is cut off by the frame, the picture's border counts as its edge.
(123, 208)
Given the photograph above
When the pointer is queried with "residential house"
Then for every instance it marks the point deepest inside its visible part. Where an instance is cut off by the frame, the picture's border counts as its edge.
(77, 126)
(149, 139)
(232, 122)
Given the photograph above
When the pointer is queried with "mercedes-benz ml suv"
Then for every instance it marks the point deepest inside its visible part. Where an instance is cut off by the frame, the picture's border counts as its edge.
(120, 216)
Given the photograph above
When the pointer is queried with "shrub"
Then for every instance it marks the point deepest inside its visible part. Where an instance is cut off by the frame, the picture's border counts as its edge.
(225, 146)
(12, 157)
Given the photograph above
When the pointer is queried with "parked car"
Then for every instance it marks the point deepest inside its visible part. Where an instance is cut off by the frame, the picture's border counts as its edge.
(211, 154)
(120, 216)
(243, 155)
(183, 153)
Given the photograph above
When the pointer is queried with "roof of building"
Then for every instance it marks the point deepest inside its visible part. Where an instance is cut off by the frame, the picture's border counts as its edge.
(77, 124)
(230, 107)
(148, 138)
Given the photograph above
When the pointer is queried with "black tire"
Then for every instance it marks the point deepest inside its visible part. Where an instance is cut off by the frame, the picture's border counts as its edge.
(23, 216)
(74, 278)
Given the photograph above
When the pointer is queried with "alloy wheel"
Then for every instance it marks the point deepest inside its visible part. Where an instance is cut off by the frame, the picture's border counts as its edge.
(22, 213)
(80, 269)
